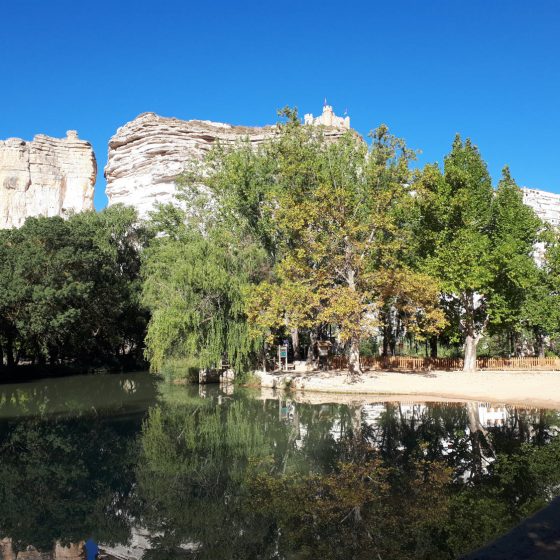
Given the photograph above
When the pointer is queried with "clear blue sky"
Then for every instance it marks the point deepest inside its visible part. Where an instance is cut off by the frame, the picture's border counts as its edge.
(488, 69)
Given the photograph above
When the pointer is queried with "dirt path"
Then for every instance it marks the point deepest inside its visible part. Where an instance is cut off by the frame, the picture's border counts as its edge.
(539, 389)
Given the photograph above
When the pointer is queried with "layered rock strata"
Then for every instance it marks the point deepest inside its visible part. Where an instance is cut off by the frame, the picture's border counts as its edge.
(45, 177)
(147, 155)
(545, 204)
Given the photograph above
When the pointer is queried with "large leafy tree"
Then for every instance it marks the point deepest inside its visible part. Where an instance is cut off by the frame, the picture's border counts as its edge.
(329, 212)
(480, 243)
(514, 232)
(70, 288)
(303, 231)
(194, 279)
(454, 225)
(541, 305)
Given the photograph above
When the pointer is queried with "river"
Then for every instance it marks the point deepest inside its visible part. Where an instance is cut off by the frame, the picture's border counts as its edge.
(155, 471)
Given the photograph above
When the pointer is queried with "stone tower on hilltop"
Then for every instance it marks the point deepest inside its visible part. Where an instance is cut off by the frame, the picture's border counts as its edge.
(328, 118)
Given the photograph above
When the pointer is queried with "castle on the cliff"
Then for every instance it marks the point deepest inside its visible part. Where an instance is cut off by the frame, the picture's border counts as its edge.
(328, 118)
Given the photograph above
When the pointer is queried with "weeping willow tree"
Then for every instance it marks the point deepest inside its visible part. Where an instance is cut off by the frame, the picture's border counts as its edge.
(194, 281)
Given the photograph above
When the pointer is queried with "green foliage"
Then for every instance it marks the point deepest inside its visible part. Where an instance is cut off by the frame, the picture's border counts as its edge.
(461, 256)
(194, 283)
(337, 234)
(69, 290)
(479, 243)
(327, 213)
(514, 233)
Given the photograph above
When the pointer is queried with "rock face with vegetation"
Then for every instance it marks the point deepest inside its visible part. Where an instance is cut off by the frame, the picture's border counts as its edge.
(45, 177)
(147, 154)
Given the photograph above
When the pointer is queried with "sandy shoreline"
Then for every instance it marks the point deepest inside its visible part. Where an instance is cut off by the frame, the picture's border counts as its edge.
(534, 389)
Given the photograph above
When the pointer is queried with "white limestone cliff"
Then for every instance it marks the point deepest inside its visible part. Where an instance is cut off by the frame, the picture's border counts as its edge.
(545, 204)
(45, 177)
(147, 154)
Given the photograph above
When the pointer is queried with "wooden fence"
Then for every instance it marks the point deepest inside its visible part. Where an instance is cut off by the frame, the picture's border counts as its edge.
(425, 364)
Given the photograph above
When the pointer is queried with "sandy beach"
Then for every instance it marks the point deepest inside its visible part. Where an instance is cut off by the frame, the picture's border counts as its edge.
(539, 389)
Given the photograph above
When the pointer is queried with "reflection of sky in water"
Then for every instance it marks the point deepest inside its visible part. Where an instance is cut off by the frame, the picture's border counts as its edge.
(180, 477)
(78, 394)
(92, 550)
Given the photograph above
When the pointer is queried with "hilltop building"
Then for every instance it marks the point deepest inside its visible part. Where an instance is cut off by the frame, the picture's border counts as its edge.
(328, 118)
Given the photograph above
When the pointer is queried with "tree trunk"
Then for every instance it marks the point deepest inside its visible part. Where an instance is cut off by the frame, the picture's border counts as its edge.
(433, 346)
(539, 342)
(295, 343)
(356, 418)
(354, 357)
(395, 336)
(385, 341)
(471, 337)
(354, 367)
(264, 357)
(10, 352)
(470, 353)
(311, 349)
(477, 435)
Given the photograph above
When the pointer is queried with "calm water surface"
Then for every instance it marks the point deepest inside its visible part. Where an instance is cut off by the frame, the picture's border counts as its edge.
(154, 471)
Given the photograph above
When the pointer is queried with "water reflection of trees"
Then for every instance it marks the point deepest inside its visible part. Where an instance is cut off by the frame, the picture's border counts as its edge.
(277, 479)
(231, 476)
(68, 450)
(65, 479)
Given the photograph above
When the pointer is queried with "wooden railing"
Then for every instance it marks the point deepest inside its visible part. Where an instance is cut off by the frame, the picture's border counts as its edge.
(425, 364)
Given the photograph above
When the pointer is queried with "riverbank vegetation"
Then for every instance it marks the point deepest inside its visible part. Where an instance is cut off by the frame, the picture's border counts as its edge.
(70, 292)
(312, 236)
(342, 240)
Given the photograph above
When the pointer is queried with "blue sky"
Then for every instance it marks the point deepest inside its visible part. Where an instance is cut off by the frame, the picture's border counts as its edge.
(488, 69)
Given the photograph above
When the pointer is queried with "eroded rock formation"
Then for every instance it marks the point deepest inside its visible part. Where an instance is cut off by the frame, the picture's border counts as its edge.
(45, 177)
(147, 154)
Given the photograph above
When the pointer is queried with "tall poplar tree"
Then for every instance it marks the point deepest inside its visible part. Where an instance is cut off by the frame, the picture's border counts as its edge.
(461, 253)
(514, 232)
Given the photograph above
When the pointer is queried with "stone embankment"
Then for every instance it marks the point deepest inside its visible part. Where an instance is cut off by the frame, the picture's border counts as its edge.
(45, 177)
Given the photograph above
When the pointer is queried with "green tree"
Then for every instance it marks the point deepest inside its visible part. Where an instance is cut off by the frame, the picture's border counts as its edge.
(514, 233)
(70, 288)
(457, 245)
(337, 205)
(11, 296)
(194, 281)
(541, 306)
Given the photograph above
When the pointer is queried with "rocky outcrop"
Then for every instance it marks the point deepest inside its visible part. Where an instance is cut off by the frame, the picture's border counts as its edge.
(545, 204)
(45, 177)
(147, 155)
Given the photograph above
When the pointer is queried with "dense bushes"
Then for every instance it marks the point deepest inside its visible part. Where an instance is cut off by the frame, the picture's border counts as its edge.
(69, 290)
